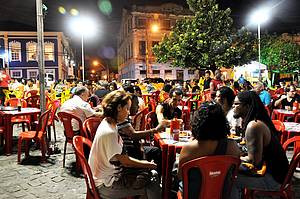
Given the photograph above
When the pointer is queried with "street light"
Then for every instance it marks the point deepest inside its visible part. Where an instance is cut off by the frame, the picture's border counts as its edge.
(154, 27)
(84, 26)
(259, 17)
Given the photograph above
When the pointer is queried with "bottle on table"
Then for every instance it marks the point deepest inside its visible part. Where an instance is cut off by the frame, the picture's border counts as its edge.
(19, 105)
(175, 128)
(295, 106)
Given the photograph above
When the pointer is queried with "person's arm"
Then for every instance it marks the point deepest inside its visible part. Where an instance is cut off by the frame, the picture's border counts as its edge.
(159, 113)
(128, 161)
(278, 102)
(254, 141)
(211, 87)
(136, 135)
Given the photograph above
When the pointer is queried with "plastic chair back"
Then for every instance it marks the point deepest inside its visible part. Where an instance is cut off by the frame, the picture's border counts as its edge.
(42, 123)
(66, 118)
(78, 143)
(53, 106)
(297, 117)
(90, 126)
(33, 101)
(14, 102)
(215, 175)
(139, 120)
(279, 125)
(31, 93)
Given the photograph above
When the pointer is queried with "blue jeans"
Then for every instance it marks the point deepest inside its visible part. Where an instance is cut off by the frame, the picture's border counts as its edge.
(266, 183)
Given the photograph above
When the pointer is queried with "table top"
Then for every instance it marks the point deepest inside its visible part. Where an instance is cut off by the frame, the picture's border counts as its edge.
(292, 126)
(23, 111)
(167, 139)
(284, 111)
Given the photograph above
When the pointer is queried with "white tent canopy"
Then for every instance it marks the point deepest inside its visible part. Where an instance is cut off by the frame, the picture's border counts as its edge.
(250, 71)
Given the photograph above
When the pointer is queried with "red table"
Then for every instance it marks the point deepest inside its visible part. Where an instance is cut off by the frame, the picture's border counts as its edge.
(281, 114)
(291, 128)
(169, 147)
(6, 116)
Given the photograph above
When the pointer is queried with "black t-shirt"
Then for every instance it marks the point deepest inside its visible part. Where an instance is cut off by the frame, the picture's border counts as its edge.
(285, 103)
(167, 111)
(206, 83)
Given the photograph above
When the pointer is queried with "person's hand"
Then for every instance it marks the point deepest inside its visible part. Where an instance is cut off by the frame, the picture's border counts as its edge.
(152, 165)
(163, 124)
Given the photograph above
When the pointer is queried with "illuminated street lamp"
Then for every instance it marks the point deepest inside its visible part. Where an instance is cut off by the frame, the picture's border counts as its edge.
(153, 28)
(259, 17)
(85, 26)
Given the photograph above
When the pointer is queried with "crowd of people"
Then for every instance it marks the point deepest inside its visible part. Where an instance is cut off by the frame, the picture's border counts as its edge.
(121, 167)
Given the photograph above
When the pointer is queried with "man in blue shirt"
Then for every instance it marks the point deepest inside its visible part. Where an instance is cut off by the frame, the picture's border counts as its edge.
(264, 95)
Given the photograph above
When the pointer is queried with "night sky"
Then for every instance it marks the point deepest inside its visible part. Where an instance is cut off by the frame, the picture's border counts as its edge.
(286, 17)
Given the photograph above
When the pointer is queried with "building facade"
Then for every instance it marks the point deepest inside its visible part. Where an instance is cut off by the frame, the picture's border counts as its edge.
(143, 27)
(18, 53)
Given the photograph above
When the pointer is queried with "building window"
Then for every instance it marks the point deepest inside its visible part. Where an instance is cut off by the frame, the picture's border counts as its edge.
(142, 72)
(49, 51)
(16, 73)
(15, 51)
(32, 74)
(31, 49)
(142, 47)
(191, 72)
(168, 72)
(167, 24)
(129, 25)
(141, 22)
(156, 72)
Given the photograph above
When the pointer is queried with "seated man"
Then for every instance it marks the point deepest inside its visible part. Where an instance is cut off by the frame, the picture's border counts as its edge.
(168, 110)
(262, 144)
(286, 101)
(264, 95)
(79, 106)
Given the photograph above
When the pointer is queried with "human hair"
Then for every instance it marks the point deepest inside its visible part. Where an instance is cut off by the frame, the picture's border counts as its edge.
(167, 88)
(256, 111)
(175, 91)
(227, 93)
(137, 89)
(80, 89)
(207, 72)
(114, 85)
(128, 88)
(209, 122)
(112, 100)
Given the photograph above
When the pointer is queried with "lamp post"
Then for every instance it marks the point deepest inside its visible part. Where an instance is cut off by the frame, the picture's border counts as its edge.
(259, 17)
(83, 26)
(154, 28)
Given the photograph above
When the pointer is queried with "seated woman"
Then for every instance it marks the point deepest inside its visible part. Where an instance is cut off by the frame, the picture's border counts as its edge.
(116, 174)
(209, 129)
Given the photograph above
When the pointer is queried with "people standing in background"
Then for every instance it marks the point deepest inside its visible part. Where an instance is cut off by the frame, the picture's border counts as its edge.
(216, 83)
(4, 81)
(207, 80)
(263, 94)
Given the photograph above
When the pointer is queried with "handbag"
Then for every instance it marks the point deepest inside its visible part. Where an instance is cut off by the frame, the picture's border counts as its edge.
(249, 169)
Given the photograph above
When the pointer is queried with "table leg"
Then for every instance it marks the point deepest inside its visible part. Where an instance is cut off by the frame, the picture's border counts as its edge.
(9, 135)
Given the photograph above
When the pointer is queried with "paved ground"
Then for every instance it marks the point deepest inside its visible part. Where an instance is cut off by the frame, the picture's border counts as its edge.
(49, 180)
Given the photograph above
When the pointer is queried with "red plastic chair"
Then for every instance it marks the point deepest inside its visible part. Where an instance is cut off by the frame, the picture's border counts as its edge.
(213, 172)
(268, 110)
(139, 120)
(285, 190)
(66, 119)
(53, 106)
(281, 128)
(38, 135)
(31, 93)
(78, 143)
(2, 132)
(19, 119)
(90, 126)
(33, 101)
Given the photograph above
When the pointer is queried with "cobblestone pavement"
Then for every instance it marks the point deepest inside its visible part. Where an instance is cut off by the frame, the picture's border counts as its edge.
(50, 180)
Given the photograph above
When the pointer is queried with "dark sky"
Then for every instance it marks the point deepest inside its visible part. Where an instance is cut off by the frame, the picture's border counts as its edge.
(286, 17)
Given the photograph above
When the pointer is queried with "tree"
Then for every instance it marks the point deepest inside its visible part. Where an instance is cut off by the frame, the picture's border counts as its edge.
(280, 54)
(206, 40)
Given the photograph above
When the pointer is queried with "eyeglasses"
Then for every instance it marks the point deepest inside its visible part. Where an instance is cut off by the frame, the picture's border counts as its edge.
(237, 103)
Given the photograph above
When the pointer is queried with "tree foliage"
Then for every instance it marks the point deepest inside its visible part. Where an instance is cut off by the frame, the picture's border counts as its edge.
(206, 39)
(280, 54)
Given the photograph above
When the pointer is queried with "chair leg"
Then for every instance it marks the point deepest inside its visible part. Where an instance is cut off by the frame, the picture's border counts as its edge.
(49, 133)
(65, 149)
(27, 148)
(43, 148)
(19, 149)
(54, 131)
(23, 126)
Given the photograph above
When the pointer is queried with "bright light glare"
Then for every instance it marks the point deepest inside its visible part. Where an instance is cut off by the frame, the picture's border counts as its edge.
(83, 25)
(154, 28)
(260, 16)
